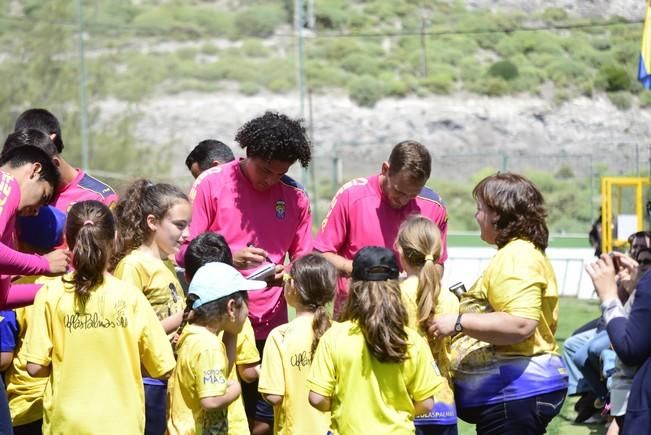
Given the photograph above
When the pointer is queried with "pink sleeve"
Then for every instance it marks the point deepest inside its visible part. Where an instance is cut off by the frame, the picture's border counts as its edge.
(21, 295)
(302, 242)
(203, 214)
(13, 262)
(334, 229)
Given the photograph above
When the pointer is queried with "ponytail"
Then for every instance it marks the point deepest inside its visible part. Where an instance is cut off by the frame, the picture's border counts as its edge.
(320, 324)
(420, 245)
(427, 293)
(315, 280)
(90, 229)
(189, 301)
(377, 308)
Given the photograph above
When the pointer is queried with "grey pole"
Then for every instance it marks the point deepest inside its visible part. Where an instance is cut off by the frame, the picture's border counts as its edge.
(83, 114)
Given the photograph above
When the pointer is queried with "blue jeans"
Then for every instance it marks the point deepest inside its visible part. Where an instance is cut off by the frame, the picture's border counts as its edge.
(573, 345)
(437, 429)
(530, 415)
(155, 409)
(587, 360)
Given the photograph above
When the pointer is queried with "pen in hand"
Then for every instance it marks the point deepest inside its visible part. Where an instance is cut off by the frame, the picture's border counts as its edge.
(266, 256)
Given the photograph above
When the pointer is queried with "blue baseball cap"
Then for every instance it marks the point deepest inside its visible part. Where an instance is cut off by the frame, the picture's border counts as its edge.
(217, 280)
(45, 230)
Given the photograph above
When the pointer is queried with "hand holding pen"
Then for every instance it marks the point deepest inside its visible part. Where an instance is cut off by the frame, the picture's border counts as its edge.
(250, 257)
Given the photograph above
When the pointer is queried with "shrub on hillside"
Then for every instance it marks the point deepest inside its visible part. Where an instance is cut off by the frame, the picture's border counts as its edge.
(645, 98)
(555, 15)
(249, 88)
(438, 82)
(504, 69)
(361, 64)
(366, 91)
(260, 20)
(567, 72)
(621, 100)
(613, 78)
(254, 48)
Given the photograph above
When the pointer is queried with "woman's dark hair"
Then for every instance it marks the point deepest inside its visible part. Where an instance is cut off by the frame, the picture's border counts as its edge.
(206, 248)
(142, 198)
(274, 136)
(315, 281)
(30, 137)
(377, 308)
(419, 240)
(90, 232)
(213, 310)
(519, 207)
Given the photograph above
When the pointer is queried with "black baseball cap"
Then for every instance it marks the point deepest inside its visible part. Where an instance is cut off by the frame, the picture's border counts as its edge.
(375, 263)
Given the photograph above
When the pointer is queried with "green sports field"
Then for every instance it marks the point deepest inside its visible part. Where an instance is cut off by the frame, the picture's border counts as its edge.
(471, 239)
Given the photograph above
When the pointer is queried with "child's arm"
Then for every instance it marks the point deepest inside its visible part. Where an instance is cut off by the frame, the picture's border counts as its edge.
(249, 372)
(172, 323)
(230, 343)
(38, 370)
(5, 360)
(422, 407)
(233, 391)
(273, 399)
(322, 403)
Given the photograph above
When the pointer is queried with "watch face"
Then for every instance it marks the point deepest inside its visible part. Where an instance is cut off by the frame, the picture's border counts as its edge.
(458, 327)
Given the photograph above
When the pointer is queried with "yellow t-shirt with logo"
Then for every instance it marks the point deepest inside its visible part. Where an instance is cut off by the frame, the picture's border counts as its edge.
(246, 353)
(368, 396)
(285, 367)
(200, 368)
(95, 352)
(156, 279)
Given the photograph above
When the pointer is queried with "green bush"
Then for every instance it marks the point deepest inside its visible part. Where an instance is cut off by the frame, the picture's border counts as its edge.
(613, 78)
(567, 72)
(249, 88)
(280, 86)
(254, 48)
(504, 69)
(491, 86)
(260, 20)
(366, 91)
(601, 43)
(645, 99)
(332, 15)
(361, 64)
(621, 100)
(438, 82)
(555, 15)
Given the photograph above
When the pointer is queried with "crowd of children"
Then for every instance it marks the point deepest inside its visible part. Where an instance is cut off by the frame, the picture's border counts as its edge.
(144, 320)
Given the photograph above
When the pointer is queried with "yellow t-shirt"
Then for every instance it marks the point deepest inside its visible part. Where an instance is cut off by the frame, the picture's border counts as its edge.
(246, 353)
(285, 367)
(368, 396)
(519, 280)
(95, 354)
(24, 393)
(156, 279)
(200, 367)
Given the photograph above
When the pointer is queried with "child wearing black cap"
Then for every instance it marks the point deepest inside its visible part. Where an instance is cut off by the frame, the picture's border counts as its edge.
(373, 358)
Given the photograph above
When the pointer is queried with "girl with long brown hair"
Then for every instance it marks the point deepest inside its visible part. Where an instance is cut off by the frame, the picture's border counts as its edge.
(419, 246)
(371, 371)
(289, 348)
(91, 333)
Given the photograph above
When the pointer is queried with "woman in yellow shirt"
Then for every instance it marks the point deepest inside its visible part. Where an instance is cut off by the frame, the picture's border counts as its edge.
(90, 333)
(153, 223)
(289, 348)
(419, 247)
(371, 371)
(508, 375)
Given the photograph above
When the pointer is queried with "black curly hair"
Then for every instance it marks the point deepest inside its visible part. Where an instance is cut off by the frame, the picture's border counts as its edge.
(274, 136)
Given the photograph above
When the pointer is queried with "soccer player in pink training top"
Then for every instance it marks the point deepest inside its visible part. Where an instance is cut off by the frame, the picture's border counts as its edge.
(262, 213)
(369, 211)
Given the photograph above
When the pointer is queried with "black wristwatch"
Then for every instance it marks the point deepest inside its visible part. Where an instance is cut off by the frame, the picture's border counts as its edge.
(458, 327)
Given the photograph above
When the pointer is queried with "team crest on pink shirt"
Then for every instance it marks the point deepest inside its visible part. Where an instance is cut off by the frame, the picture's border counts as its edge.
(280, 209)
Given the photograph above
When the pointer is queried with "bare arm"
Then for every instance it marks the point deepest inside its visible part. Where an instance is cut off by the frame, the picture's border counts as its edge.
(499, 328)
(5, 360)
(171, 324)
(249, 372)
(220, 402)
(37, 370)
(273, 399)
(343, 266)
(322, 403)
(423, 406)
